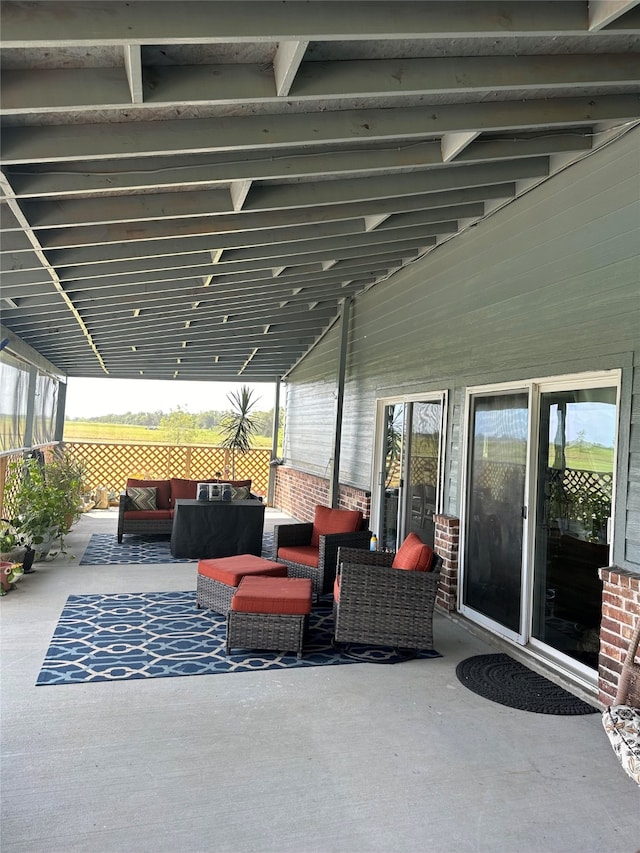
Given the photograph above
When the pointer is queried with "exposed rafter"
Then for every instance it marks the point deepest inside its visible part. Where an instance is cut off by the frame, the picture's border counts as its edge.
(192, 190)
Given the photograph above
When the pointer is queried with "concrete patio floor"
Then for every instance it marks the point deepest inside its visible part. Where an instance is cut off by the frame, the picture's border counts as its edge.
(397, 759)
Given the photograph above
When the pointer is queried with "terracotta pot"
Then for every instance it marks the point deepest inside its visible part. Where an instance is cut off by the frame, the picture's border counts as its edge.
(4, 580)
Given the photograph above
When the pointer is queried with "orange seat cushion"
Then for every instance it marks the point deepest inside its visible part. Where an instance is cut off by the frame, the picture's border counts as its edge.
(231, 570)
(284, 596)
(413, 555)
(147, 514)
(308, 555)
(336, 588)
(328, 520)
(162, 487)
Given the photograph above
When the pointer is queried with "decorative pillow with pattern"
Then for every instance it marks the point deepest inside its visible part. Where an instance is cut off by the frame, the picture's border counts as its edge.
(142, 497)
(239, 493)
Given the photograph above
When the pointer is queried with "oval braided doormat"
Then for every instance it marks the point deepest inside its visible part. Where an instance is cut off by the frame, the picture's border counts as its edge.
(502, 679)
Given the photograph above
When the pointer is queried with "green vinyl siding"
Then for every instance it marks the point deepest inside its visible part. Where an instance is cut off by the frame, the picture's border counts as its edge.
(548, 285)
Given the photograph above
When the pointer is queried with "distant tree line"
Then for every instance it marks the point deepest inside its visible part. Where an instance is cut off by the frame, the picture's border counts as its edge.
(180, 421)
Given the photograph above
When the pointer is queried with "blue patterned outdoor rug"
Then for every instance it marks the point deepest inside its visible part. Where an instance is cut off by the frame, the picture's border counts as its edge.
(105, 550)
(158, 634)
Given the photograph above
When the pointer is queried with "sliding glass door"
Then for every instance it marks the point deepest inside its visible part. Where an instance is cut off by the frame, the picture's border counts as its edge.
(493, 578)
(410, 472)
(575, 485)
(537, 515)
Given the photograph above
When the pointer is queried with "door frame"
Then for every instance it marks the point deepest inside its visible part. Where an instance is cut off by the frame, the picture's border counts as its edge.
(536, 387)
(441, 397)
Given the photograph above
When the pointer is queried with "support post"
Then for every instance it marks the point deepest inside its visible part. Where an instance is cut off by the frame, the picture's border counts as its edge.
(342, 368)
(271, 486)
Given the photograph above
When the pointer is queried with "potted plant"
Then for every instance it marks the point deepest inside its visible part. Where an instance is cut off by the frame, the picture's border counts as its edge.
(45, 500)
(15, 546)
(65, 475)
(239, 426)
(9, 574)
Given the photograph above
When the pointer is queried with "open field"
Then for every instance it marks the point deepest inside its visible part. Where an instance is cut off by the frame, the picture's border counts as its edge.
(127, 433)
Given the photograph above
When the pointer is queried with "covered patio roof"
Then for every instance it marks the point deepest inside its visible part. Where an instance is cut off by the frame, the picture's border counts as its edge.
(192, 190)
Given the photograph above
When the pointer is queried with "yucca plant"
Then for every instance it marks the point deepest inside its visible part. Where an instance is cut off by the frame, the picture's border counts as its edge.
(238, 427)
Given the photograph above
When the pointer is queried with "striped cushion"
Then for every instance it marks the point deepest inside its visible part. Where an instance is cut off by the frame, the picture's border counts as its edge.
(142, 497)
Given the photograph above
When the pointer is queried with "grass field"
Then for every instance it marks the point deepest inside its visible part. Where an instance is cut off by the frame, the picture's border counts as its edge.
(124, 433)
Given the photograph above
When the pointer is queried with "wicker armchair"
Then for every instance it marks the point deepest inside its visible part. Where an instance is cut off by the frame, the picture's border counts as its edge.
(382, 606)
(299, 534)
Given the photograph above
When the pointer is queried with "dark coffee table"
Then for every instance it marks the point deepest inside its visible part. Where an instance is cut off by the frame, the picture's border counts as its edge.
(205, 529)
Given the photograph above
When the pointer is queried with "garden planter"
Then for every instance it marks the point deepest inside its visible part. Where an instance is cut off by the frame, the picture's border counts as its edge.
(9, 573)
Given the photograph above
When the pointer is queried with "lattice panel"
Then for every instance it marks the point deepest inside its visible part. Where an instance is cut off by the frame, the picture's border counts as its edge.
(108, 465)
(424, 469)
(493, 477)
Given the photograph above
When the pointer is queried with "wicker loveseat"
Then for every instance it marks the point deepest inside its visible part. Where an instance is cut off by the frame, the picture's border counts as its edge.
(310, 549)
(159, 520)
(384, 606)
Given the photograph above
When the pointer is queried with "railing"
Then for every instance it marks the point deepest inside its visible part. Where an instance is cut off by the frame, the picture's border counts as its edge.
(108, 465)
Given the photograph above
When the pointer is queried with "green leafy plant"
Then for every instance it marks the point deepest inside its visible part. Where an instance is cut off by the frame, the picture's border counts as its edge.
(11, 539)
(45, 500)
(239, 426)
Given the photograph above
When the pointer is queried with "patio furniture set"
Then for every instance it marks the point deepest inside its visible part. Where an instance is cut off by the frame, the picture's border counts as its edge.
(150, 507)
(384, 599)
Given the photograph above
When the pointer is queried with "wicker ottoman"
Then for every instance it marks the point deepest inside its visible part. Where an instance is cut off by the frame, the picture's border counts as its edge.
(218, 579)
(269, 613)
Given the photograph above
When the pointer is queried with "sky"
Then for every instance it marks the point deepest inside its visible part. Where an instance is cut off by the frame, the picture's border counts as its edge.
(91, 397)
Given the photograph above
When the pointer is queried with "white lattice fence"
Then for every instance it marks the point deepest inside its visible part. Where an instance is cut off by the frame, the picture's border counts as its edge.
(109, 464)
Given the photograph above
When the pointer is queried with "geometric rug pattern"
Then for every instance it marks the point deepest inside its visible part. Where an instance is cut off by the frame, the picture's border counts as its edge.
(159, 634)
(122, 636)
(104, 550)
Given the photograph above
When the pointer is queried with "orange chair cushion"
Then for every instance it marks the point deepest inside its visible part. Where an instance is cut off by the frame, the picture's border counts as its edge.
(163, 491)
(329, 520)
(284, 596)
(231, 570)
(308, 555)
(336, 588)
(147, 514)
(413, 555)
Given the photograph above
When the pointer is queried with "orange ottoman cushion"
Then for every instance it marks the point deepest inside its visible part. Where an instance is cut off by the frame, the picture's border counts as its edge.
(231, 570)
(282, 596)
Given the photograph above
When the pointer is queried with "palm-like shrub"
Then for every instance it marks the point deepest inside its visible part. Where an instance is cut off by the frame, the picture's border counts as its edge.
(239, 427)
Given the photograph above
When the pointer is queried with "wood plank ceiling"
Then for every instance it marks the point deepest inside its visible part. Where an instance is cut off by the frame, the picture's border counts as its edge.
(192, 189)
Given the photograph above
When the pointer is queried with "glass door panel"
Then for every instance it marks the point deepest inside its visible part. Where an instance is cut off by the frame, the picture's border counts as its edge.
(493, 565)
(576, 457)
(392, 476)
(423, 469)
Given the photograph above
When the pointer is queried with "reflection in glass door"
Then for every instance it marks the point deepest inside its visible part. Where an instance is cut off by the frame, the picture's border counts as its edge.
(391, 476)
(493, 564)
(423, 469)
(575, 479)
(411, 470)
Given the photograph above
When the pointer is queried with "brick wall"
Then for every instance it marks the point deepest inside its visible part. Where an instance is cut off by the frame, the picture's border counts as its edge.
(298, 494)
(447, 545)
(620, 610)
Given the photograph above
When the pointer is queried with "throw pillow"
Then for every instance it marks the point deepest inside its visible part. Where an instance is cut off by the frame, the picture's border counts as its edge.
(413, 555)
(239, 493)
(328, 520)
(142, 497)
(163, 493)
